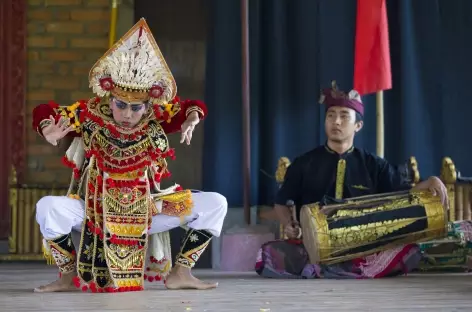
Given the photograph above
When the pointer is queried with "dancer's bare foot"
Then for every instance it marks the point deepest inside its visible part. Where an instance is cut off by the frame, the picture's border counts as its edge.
(64, 283)
(181, 278)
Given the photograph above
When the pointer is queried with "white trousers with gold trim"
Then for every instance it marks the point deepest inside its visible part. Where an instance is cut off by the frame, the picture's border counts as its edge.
(59, 215)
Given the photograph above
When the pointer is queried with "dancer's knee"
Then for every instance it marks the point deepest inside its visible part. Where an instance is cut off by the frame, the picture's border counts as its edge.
(44, 207)
(219, 203)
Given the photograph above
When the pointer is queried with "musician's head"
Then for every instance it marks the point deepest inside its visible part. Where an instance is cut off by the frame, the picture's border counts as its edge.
(344, 114)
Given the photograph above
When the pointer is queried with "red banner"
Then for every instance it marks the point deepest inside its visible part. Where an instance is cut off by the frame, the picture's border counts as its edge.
(372, 69)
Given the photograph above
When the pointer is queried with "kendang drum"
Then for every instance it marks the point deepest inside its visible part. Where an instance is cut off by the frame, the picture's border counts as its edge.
(360, 226)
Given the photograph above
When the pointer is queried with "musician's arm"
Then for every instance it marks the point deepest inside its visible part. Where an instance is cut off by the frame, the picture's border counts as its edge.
(290, 191)
(426, 184)
(283, 213)
(395, 178)
(437, 187)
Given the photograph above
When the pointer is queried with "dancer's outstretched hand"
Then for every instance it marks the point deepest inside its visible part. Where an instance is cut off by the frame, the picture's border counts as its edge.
(57, 130)
(188, 126)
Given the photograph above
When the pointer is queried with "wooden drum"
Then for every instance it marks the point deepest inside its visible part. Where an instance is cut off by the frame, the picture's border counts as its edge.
(364, 225)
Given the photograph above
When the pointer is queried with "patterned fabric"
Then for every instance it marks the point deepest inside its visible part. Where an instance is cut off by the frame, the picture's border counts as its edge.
(282, 259)
(453, 253)
(177, 204)
(289, 259)
(62, 250)
(193, 245)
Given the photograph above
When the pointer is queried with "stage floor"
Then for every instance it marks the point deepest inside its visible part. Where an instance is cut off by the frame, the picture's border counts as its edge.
(245, 292)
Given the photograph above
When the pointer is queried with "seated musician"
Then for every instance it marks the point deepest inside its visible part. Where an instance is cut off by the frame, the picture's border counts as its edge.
(338, 170)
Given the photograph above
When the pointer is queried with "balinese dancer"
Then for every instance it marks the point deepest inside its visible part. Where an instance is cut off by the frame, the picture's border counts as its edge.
(118, 156)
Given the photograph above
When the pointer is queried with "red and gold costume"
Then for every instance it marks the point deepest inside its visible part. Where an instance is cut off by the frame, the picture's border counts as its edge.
(117, 171)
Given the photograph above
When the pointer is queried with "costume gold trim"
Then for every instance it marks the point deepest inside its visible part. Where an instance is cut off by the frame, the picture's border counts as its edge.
(340, 174)
(328, 149)
(129, 95)
(62, 250)
(193, 245)
(194, 109)
(177, 204)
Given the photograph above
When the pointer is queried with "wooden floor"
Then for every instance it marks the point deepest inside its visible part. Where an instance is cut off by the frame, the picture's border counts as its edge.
(245, 292)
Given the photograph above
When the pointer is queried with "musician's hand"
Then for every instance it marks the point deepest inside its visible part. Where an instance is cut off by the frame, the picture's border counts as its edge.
(293, 230)
(438, 188)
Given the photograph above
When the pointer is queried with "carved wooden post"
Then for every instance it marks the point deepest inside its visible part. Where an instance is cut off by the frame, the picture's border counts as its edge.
(282, 167)
(449, 178)
(415, 171)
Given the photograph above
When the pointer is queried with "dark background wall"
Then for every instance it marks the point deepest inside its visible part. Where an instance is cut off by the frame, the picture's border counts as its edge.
(180, 29)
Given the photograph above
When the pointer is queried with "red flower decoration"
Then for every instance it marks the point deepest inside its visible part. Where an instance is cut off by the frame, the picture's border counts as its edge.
(107, 84)
(53, 104)
(157, 111)
(156, 92)
(83, 104)
(175, 100)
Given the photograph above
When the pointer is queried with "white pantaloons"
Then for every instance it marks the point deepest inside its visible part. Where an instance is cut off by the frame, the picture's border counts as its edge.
(59, 215)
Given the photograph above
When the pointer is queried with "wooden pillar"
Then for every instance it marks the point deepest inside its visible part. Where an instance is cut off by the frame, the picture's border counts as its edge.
(246, 111)
(12, 100)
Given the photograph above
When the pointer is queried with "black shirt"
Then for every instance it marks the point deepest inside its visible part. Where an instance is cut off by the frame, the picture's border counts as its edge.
(322, 172)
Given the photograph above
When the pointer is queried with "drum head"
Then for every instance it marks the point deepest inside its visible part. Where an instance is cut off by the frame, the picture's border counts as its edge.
(309, 232)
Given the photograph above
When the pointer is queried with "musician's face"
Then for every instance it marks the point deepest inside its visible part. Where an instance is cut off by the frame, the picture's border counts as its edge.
(341, 124)
(125, 114)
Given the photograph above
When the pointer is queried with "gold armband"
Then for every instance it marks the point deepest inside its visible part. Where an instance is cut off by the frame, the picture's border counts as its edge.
(44, 123)
(192, 109)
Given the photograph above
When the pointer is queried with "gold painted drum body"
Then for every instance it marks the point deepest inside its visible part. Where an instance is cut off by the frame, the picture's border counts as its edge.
(365, 225)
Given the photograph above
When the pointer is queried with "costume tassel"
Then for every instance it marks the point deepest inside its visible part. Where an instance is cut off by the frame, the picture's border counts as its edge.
(48, 256)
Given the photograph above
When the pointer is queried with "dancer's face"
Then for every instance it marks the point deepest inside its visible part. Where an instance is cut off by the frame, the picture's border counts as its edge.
(125, 114)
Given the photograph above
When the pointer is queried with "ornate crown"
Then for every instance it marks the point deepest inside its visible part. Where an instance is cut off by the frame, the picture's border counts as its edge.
(134, 70)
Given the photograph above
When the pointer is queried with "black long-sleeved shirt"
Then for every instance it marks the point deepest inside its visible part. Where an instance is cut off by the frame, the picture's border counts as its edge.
(322, 172)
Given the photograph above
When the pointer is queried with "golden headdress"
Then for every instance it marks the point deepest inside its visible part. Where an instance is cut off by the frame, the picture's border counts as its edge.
(134, 70)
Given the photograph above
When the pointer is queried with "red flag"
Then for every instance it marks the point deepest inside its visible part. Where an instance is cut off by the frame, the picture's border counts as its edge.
(372, 70)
